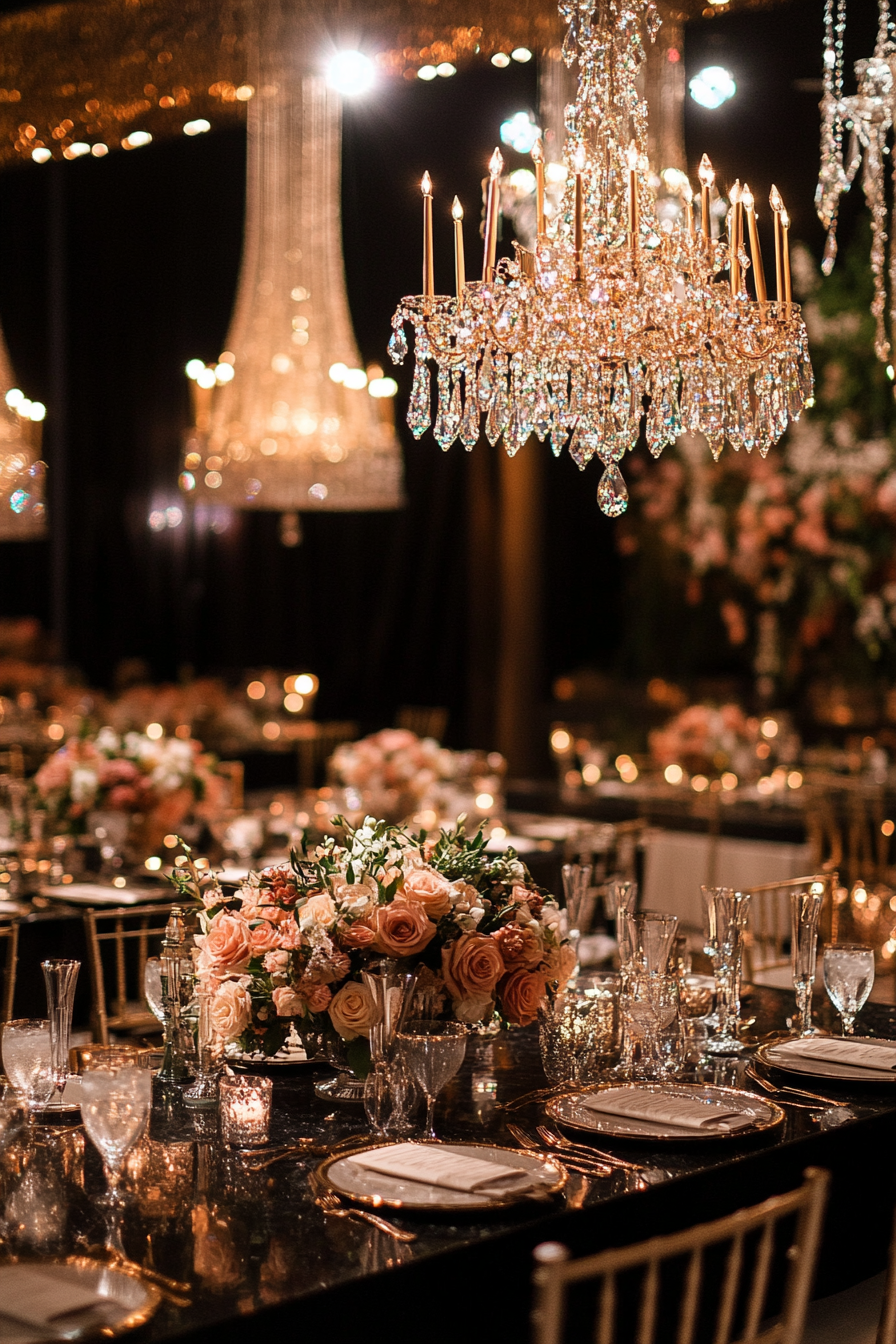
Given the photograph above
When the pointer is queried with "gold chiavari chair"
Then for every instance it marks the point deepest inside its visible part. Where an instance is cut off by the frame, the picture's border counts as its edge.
(122, 930)
(9, 934)
(424, 720)
(755, 1240)
(766, 958)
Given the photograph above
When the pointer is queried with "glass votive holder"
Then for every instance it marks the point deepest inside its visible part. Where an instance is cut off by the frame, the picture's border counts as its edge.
(579, 1030)
(245, 1109)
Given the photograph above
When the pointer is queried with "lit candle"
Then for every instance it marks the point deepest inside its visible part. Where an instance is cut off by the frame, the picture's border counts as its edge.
(734, 220)
(245, 1109)
(746, 197)
(578, 163)
(457, 214)
(777, 205)
(538, 160)
(428, 280)
(707, 176)
(687, 199)
(493, 199)
(634, 218)
(785, 230)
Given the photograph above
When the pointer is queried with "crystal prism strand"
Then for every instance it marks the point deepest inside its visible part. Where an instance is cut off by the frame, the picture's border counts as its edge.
(469, 425)
(486, 380)
(584, 442)
(612, 492)
(568, 50)
(541, 417)
(498, 409)
(455, 408)
(442, 428)
(746, 416)
(398, 345)
(636, 383)
(419, 407)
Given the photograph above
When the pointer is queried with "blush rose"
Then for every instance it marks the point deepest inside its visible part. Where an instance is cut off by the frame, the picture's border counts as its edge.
(402, 928)
(353, 1011)
(471, 966)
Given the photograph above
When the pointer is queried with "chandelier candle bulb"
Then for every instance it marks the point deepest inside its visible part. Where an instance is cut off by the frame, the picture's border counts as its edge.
(633, 215)
(457, 214)
(785, 232)
(777, 205)
(687, 200)
(538, 160)
(493, 200)
(429, 287)
(758, 272)
(707, 176)
(734, 224)
(578, 163)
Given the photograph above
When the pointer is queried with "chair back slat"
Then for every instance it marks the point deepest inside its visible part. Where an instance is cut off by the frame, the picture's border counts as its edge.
(9, 934)
(768, 927)
(121, 928)
(555, 1272)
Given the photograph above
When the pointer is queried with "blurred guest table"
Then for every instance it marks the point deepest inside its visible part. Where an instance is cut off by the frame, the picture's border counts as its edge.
(260, 1255)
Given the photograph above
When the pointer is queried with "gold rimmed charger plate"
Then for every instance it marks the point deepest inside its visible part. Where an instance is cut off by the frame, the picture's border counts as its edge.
(824, 1070)
(376, 1190)
(129, 1301)
(569, 1111)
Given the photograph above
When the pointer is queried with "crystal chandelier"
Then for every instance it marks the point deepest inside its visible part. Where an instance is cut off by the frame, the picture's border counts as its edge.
(23, 514)
(869, 114)
(286, 419)
(613, 308)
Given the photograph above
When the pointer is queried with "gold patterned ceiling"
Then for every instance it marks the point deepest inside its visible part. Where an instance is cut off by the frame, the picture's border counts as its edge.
(84, 77)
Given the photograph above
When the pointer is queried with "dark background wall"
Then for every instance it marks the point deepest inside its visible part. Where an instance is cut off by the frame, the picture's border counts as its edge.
(114, 272)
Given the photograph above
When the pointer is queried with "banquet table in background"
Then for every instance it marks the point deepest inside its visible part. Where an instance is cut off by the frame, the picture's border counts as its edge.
(263, 1258)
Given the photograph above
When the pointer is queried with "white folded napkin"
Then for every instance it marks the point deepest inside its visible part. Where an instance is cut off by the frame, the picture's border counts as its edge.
(37, 1296)
(667, 1108)
(429, 1164)
(91, 893)
(842, 1050)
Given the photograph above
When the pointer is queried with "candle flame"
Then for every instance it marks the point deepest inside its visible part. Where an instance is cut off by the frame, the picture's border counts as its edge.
(578, 158)
(457, 210)
(538, 151)
(426, 185)
(746, 198)
(496, 163)
(735, 194)
(774, 198)
(706, 172)
(686, 192)
(785, 220)
(631, 157)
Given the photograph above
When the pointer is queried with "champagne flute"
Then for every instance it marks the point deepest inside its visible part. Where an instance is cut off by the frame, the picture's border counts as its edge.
(116, 1095)
(434, 1051)
(152, 987)
(28, 1061)
(848, 977)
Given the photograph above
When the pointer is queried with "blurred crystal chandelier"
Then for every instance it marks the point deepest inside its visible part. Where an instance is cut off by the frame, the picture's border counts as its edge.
(869, 114)
(286, 419)
(613, 306)
(23, 513)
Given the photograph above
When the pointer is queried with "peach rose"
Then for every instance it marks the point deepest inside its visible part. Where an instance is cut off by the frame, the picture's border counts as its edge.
(319, 997)
(402, 928)
(357, 935)
(318, 912)
(264, 938)
(520, 946)
(291, 936)
(358, 897)
(521, 993)
(471, 966)
(276, 963)
(230, 1011)
(226, 946)
(430, 890)
(353, 1011)
(287, 1003)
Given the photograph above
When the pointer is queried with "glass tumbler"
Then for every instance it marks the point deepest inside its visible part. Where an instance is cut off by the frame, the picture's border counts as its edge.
(579, 1031)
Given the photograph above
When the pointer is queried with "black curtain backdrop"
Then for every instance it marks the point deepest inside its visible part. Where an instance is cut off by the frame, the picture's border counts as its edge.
(115, 272)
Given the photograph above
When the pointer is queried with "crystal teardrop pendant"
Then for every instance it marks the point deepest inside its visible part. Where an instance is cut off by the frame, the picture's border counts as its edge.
(398, 345)
(612, 492)
(419, 412)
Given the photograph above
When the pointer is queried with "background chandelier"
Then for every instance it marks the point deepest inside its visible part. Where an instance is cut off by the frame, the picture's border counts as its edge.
(869, 114)
(613, 306)
(23, 514)
(287, 419)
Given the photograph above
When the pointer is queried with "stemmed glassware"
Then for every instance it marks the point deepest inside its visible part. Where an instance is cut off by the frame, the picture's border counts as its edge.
(848, 978)
(649, 998)
(152, 987)
(28, 1062)
(576, 881)
(60, 978)
(805, 907)
(388, 1089)
(726, 919)
(116, 1095)
(433, 1051)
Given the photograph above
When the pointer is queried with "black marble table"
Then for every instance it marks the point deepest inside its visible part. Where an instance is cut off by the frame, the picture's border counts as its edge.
(265, 1262)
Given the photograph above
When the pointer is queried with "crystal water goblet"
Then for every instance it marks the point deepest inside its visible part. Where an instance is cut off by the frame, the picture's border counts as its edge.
(805, 908)
(726, 913)
(116, 1095)
(848, 978)
(433, 1051)
(28, 1061)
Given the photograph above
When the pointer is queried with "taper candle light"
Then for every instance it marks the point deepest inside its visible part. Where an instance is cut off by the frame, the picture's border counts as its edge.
(734, 223)
(578, 163)
(634, 218)
(429, 287)
(755, 251)
(707, 176)
(493, 200)
(687, 200)
(777, 205)
(538, 160)
(785, 230)
(460, 278)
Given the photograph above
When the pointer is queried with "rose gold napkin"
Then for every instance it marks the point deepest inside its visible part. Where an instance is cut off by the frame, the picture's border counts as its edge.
(666, 1108)
(430, 1164)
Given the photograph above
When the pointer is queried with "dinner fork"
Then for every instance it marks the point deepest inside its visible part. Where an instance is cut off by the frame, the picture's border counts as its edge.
(752, 1073)
(560, 1141)
(331, 1204)
(585, 1166)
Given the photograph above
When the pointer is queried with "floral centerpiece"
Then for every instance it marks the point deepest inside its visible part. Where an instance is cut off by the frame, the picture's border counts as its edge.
(709, 739)
(156, 780)
(292, 944)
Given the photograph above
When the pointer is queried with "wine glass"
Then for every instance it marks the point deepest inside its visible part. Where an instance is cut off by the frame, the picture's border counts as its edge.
(116, 1095)
(152, 987)
(28, 1060)
(848, 977)
(434, 1051)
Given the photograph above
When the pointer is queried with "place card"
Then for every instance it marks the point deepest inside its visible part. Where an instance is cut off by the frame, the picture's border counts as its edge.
(667, 1108)
(840, 1050)
(430, 1164)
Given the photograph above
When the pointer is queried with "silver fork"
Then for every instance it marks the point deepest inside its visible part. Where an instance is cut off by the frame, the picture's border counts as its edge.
(561, 1142)
(331, 1204)
(585, 1166)
(774, 1090)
